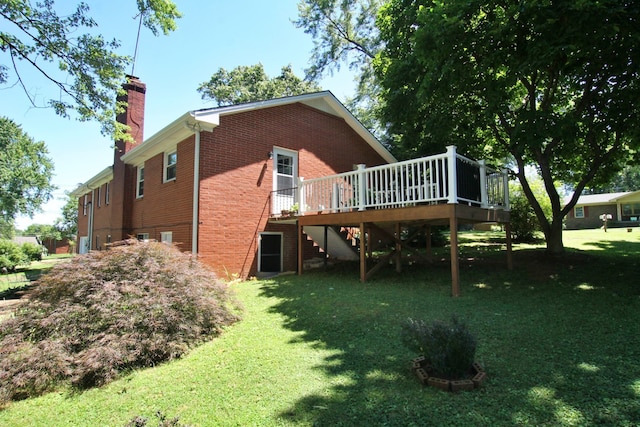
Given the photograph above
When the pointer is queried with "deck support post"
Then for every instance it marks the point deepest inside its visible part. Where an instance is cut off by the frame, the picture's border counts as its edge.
(428, 236)
(300, 249)
(455, 263)
(507, 229)
(363, 253)
(326, 245)
(398, 255)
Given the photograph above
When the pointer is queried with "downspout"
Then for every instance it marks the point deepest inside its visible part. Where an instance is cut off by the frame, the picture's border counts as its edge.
(196, 190)
(209, 124)
(90, 225)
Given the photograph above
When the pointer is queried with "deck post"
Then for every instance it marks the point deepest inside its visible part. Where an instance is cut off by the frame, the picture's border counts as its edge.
(363, 254)
(300, 249)
(362, 187)
(326, 245)
(452, 178)
(455, 263)
(398, 255)
(428, 236)
(505, 185)
(507, 229)
(484, 198)
(302, 203)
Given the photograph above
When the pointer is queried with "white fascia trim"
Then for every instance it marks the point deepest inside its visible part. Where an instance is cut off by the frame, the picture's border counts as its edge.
(169, 136)
(101, 178)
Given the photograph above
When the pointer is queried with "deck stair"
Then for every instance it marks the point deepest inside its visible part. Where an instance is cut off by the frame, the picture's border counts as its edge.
(337, 246)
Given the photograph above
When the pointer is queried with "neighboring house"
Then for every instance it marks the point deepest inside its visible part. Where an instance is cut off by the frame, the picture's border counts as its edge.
(54, 246)
(624, 209)
(26, 239)
(205, 181)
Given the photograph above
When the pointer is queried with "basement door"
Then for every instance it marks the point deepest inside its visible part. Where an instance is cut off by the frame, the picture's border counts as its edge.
(270, 253)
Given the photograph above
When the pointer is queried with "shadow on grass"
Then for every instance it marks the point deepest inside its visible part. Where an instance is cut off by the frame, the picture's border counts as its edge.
(558, 339)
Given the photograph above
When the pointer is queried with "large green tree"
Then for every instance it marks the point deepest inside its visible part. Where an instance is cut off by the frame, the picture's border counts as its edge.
(344, 33)
(25, 172)
(251, 83)
(67, 224)
(552, 85)
(68, 50)
(628, 179)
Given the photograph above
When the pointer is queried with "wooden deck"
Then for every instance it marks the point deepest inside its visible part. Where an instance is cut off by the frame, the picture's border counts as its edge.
(444, 189)
(382, 220)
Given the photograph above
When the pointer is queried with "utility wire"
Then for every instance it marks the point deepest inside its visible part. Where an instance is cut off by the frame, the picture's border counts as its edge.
(135, 53)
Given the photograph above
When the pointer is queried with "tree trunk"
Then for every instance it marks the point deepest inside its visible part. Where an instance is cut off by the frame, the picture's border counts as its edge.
(553, 237)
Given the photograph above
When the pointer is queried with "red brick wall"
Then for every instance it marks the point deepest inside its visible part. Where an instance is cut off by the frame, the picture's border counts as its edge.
(236, 178)
(167, 206)
(101, 220)
(83, 220)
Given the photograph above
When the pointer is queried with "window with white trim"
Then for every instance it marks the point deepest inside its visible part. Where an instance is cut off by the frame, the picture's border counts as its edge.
(84, 205)
(99, 196)
(107, 196)
(578, 212)
(143, 237)
(166, 236)
(140, 182)
(170, 165)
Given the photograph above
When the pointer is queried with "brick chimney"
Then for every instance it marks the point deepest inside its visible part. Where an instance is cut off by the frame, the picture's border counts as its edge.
(133, 115)
(124, 176)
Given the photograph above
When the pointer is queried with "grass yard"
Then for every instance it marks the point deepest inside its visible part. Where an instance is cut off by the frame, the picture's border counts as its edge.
(559, 339)
(13, 285)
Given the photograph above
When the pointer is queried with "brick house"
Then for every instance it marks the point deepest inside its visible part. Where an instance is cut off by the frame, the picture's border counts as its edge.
(205, 181)
(623, 207)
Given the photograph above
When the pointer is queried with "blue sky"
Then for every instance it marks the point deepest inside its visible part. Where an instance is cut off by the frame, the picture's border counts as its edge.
(210, 35)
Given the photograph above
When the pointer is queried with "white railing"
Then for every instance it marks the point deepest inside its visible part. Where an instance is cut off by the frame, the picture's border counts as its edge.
(420, 181)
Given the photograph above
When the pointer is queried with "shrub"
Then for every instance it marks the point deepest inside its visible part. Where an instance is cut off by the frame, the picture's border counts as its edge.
(32, 251)
(449, 348)
(105, 312)
(524, 223)
(11, 255)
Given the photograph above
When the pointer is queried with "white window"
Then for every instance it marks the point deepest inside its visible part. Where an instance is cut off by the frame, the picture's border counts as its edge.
(107, 187)
(84, 205)
(143, 237)
(285, 177)
(166, 236)
(100, 196)
(140, 183)
(170, 163)
(578, 211)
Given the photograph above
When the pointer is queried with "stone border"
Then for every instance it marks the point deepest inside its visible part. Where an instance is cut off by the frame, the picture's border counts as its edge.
(421, 368)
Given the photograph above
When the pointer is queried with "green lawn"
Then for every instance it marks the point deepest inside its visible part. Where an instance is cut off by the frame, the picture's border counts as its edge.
(11, 282)
(559, 340)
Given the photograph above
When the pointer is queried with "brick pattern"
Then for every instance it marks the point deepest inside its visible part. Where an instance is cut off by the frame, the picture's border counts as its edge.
(166, 206)
(237, 178)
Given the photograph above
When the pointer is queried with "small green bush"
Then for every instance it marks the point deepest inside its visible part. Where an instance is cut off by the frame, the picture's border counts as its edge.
(32, 251)
(106, 312)
(11, 255)
(524, 223)
(449, 348)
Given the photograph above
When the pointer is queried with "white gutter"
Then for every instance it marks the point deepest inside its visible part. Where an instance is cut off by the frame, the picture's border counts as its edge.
(201, 124)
